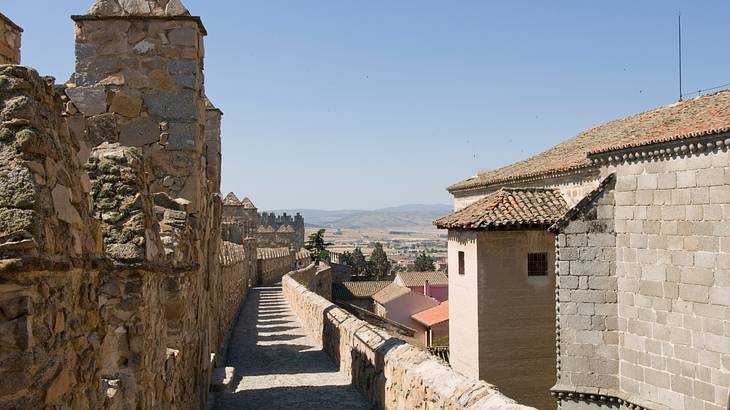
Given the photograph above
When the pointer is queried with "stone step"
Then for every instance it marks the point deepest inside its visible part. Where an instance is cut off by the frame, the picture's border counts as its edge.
(221, 378)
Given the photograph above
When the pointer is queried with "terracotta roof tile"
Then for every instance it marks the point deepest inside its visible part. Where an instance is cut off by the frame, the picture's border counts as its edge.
(411, 279)
(433, 316)
(708, 114)
(509, 207)
(389, 293)
(358, 289)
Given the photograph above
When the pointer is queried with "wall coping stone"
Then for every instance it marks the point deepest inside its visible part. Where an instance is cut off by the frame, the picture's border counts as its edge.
(195, 19)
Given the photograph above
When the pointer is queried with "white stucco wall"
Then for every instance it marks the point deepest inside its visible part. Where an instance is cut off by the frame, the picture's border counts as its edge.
(463, 306)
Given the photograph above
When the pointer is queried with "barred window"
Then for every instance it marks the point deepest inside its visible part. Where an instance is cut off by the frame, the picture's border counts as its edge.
(537, 264)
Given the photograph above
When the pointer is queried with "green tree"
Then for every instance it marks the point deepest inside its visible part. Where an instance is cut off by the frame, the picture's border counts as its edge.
(424, 263)
(359, 264)
(317, 246)
(379, 261)
(346, 259)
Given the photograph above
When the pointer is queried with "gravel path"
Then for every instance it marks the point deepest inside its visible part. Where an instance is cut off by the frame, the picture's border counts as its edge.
(277, 366)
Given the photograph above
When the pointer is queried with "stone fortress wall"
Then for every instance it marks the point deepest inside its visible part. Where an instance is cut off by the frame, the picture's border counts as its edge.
(114, 290)
(10, 34)
(390, 373)
(273, 263)
(280, 230)
(643, 293)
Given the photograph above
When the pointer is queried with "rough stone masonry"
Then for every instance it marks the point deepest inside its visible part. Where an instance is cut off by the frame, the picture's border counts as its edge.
(113, 291)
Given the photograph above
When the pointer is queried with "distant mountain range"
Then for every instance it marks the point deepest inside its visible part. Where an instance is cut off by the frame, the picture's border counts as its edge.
(415, 217)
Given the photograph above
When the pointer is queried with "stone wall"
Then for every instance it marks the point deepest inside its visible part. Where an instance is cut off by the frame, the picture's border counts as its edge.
(672, 280)
(238, 275)
(294, 225)
(283, 238)
(273, 264)
(316, 279)
(586, 297)
(113, 293)
(50, 249)
(390, 373)
(240, 220)
(10, 34)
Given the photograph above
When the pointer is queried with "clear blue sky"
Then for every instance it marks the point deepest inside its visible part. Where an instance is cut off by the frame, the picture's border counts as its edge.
(365, 104)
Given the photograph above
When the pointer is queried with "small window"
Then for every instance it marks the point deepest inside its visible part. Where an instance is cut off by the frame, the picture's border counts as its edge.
(537, 264)
(462, 268)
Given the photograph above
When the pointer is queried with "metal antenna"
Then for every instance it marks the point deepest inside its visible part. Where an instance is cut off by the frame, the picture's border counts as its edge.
(679, 17)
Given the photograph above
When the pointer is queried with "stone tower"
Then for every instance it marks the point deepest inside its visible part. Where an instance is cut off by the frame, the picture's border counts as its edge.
(240, 219)
(9, 41)
(139, 83)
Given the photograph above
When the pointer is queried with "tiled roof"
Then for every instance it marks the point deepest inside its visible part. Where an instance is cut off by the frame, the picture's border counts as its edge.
(359, 289)
(419, 278)
(708, 114)
(433, 316)
(509, 207)
(390, 293)
(231, 200)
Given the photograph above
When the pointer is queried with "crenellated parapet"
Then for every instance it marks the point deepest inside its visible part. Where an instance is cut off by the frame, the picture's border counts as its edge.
(45, 211)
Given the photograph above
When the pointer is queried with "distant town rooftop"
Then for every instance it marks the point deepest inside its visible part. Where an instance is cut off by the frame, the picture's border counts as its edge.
(705, 115)
(433, 316)
(390, 293)
(358, 289)
(411, 279)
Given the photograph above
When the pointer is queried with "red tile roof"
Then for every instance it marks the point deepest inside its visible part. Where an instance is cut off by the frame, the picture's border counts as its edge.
(708, 114)
(509, 207)
(412, 279)
(433, 316)
(358, 289)
(390, 293)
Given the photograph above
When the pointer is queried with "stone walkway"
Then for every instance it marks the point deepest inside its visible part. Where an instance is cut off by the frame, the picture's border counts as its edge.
(277, 365)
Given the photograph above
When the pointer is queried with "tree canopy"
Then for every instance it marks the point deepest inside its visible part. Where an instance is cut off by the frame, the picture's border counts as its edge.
(380, 265)
(317, 246)
(424, 263)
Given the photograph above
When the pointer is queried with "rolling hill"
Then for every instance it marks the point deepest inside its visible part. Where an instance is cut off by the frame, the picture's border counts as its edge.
(416, 217)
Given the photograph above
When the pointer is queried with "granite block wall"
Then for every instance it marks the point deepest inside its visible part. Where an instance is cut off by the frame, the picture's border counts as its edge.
(668, 209)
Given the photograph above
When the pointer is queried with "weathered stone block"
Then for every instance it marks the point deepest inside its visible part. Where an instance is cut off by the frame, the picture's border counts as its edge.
(17, 334)
(139, 132)
(102, 128)
(126, 104)
(65, 210)
(172, 105)
(183, 67)
(183, 37)
(88, 100)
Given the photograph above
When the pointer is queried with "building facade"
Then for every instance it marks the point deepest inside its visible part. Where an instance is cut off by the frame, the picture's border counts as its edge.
(630, 220)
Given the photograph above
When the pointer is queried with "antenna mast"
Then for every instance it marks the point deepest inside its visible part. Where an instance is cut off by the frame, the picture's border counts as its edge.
(679, 21)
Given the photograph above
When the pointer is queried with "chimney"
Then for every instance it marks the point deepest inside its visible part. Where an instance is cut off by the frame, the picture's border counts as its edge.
(427, 289)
